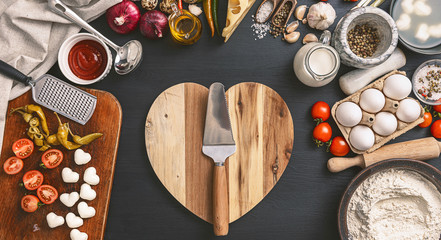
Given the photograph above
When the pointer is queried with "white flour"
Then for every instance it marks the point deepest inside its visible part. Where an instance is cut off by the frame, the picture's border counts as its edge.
(395, 204)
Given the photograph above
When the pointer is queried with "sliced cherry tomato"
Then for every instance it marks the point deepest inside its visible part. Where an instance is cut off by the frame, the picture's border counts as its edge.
(23, 148)
(52, 158)
(32, 179)
(436, 129)
(47, 194)
(339, 147)
(30, 203)
(13, 165)
(320, 111)
(427, 120)
(322, 133)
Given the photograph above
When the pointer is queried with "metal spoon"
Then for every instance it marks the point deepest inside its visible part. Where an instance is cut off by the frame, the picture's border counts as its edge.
(127, 57)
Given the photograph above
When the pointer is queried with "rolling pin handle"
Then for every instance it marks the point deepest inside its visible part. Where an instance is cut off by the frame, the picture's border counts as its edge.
(338, 164)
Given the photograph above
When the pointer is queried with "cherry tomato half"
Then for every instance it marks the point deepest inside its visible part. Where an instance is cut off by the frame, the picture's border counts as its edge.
(322, 133)
(427, 120)
(436, 129)
(30, 203)
(52, 158)
(13, 165)
(320, 110)
(339, 147)
(47, 194)
(32, 179)
(23, 148)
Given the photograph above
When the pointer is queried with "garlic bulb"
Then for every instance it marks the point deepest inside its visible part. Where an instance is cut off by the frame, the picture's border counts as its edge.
(321, 15)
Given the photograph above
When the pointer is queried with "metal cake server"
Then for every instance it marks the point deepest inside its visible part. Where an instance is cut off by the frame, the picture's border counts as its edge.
(218, 143)
(56, 94)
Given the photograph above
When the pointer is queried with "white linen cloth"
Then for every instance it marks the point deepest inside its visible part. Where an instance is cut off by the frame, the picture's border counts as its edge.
(30, 36)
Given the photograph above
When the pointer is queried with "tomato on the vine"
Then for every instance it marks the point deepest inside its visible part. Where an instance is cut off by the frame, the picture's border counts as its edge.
(23, 148)
(13, 165)
(437, 108)
(322, 133)
(30, 203)
(427, 120)
(436, 129)
(320, 111)
(339, 147)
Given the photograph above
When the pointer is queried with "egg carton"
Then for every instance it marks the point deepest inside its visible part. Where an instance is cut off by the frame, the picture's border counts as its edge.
(368, 119)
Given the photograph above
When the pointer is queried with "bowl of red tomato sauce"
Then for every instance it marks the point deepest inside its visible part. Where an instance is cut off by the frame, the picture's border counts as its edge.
(84, 59)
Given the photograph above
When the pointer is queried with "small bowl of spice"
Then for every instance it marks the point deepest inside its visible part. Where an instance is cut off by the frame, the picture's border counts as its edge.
(426, 82)
(365, 37)
(84, 59)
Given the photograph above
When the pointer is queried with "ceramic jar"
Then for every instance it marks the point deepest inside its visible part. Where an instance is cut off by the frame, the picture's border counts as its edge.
(375, 18)
(316, 64)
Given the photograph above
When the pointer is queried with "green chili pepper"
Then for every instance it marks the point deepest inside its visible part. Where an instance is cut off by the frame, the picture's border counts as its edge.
(34, 122)
(31, 108)
(86, 139)
(38, 139)
(63, 134)
(215, 5)
(45, 147)
(52, 140)
(26, 116)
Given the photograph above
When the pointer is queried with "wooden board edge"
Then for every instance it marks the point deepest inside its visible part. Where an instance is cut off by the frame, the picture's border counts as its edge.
(115, 153)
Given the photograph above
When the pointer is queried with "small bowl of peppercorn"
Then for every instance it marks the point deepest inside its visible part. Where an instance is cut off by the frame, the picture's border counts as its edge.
(365, 37)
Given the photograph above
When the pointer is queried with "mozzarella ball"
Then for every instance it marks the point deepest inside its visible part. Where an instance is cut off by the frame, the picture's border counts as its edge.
(348, 114)
(408, 110)
(362, 138)
(397, 87)
(372, 100)
(385, 123)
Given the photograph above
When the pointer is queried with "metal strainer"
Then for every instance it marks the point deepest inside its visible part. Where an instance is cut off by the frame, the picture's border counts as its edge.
(56, 95)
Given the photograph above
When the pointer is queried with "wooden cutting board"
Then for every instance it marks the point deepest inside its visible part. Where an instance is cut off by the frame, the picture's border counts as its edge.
(262, 128)
(17, 224)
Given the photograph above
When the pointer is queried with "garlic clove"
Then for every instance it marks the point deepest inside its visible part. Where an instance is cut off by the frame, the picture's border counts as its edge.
(194, 9)
(300, 12)
(292, 26)
(292, 37)
(310, 37)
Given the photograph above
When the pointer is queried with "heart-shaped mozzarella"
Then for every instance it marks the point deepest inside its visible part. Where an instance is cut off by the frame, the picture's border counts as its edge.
(91, 177)
(73, 221)
(53, 220)
(87, 193)
(69, 199)
(75, 234)
(69, 176)
(81, 157)
(85, 211)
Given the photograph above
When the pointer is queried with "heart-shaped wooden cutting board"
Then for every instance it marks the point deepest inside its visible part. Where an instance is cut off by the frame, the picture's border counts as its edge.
(262, 129)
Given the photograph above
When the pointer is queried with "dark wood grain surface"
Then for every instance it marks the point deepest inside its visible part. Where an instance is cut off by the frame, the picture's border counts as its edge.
(304, 203)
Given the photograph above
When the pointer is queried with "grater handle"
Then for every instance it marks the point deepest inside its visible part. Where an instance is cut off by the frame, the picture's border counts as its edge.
(13, 73)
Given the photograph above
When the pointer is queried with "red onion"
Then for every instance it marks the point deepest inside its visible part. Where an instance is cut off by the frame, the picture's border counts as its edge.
(154, 24)
(123, 17)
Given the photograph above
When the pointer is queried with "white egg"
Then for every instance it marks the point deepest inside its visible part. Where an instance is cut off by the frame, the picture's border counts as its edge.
(385, 123)
(372, 100)
(408, 110)
(348, 114)
(397, 87)
(362, 137)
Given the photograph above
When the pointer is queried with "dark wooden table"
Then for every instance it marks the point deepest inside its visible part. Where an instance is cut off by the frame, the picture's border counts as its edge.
(304, 203)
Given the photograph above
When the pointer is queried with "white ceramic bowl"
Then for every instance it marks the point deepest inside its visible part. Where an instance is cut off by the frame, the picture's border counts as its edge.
(63, 54)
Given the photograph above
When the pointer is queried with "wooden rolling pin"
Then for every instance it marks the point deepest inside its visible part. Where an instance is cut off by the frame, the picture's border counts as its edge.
(420, 149)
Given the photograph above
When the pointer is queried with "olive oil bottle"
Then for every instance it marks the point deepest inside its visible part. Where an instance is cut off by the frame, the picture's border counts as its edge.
(185, 27)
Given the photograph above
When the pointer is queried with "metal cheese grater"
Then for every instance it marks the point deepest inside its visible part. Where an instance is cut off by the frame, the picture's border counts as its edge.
(56, 94)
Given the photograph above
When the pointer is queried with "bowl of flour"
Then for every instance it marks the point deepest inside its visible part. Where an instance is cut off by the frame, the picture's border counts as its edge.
(393, 199)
